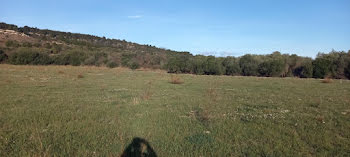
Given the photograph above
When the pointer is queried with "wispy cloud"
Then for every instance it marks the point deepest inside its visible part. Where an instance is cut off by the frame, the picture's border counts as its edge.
(135, 16)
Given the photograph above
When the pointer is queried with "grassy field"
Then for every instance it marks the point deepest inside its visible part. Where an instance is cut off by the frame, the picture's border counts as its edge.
(91, 111)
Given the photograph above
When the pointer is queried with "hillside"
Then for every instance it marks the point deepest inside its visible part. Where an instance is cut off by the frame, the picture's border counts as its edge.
(13, 38)
(27, 45)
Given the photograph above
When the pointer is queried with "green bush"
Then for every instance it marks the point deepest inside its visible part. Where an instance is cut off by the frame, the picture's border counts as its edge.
(3, 56)
(60, 59)
(134, 65)
(74, 58)
(97, 59)
(126, 59)
(112, 64)
(27, 44)
(30, 57)
(12, 43)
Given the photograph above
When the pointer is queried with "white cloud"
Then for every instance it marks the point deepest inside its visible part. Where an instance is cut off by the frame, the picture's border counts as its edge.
(135, 17)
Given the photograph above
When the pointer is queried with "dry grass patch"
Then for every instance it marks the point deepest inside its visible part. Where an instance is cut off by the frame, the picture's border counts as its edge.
(176, 80)
(147, 92)
(212, 94)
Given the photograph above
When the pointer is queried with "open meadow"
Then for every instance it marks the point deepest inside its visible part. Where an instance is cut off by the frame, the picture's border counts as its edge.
(97, 111)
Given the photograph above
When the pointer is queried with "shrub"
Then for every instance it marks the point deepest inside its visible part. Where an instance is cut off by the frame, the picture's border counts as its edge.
(27, 44)
(126, 59)
(30, 57)
(176, 80)
(134, 65)
(97, 59)
(74, 58)
(60, 59)
(327, 80)
(112, 64)
(12, 43)
(80, 76)
(3, 56)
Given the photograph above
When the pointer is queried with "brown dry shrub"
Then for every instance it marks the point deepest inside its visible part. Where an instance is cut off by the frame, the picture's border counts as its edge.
(60, 72)
(176, 80)
(320, 119)
(327, 80)
(80, 76)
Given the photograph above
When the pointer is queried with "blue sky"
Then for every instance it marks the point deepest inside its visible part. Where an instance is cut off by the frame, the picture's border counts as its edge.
(221, 28)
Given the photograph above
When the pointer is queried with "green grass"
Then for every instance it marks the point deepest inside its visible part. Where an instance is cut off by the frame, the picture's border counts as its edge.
(90, 111)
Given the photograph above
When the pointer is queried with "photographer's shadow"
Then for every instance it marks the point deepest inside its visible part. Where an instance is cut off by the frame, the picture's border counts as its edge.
(139, 148)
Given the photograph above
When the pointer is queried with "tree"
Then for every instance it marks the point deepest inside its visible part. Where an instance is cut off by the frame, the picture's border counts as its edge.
(213, 66)
(249, 65)
(271, 68)
(198, 63)
(231, 66)
(347, 70)
(179, 63)
(321, 66)
(305, 69)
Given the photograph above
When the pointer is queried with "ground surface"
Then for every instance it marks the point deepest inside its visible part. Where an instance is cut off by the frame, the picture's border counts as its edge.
(90, 111)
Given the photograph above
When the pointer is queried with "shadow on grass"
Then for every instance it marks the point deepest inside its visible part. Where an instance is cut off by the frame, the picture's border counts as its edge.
(139, 148)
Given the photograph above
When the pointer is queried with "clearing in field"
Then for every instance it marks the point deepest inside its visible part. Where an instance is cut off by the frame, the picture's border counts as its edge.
(95, 111)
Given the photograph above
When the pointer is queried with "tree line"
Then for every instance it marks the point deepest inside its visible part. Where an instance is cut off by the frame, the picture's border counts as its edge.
(335, 64)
